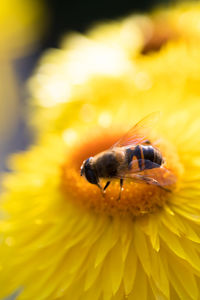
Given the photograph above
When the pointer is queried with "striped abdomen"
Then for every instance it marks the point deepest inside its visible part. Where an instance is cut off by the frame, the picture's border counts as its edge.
(147, 157)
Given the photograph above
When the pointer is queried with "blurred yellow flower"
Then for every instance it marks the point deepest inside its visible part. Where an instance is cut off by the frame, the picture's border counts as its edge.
(140, 57)
(20, 25)
(20, 28)
(60, 239)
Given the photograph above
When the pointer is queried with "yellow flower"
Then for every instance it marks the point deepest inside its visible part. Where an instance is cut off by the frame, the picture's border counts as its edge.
(60, 239)
(63, 239)
(20, 28)
(20, 25)
(139, 57)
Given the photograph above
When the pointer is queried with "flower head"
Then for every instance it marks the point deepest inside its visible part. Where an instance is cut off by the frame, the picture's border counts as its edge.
(20, 28)
(56, 227)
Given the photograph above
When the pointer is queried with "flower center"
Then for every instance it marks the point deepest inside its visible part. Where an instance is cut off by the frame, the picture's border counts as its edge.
(159, 35)
(137, 198)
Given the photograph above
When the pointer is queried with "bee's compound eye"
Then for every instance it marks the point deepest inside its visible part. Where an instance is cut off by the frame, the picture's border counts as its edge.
(90, 175)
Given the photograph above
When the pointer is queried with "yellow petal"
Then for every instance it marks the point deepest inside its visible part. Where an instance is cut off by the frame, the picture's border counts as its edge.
(140, 243)
(116, 267)
(159, 272)
(130, 269)
(183, 280)
(140, 286)
(107, 241)
(172, 241)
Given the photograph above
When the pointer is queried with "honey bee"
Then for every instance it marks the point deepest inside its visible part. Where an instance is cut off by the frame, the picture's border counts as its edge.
(132, 157)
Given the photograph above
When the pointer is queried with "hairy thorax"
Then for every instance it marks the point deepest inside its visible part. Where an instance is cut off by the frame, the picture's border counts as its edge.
(107, 163)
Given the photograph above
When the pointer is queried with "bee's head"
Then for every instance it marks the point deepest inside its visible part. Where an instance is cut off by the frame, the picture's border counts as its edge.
(88, 172)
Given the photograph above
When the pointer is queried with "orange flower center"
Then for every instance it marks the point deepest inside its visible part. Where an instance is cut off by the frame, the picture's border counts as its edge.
(160, 32)
(136, 198)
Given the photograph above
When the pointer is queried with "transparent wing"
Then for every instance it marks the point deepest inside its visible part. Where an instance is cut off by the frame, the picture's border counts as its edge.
(148, 180)
(151, 173)
(139, 133)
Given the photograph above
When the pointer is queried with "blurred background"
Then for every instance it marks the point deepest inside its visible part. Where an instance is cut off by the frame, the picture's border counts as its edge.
(28, 28)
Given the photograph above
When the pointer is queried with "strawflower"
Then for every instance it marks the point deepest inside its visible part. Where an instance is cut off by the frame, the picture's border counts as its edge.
(20, 29)
(20, 25)
(60, 239)
(139, 57)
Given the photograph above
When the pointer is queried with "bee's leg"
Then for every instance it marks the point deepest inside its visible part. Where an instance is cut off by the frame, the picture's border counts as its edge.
(102, 190)
(107, 184)
(121, 188)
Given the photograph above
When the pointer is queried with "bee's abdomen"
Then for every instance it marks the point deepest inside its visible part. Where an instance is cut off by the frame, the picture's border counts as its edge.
(153, 157)
(148, 157)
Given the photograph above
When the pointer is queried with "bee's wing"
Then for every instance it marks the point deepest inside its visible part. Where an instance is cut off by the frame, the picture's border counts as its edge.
(149, 180)
(139, 133)
(153, 174)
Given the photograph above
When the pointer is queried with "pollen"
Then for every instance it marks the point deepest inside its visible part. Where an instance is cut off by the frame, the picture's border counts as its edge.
(137, 199)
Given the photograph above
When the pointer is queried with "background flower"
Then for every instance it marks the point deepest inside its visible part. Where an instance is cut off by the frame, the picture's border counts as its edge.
(20, 30)
(125, 57)
(56, 224)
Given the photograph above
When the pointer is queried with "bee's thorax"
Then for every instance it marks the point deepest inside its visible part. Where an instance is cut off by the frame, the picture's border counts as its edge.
(107, 163)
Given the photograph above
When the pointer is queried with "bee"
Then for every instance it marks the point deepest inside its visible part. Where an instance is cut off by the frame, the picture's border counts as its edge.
(132, 157)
